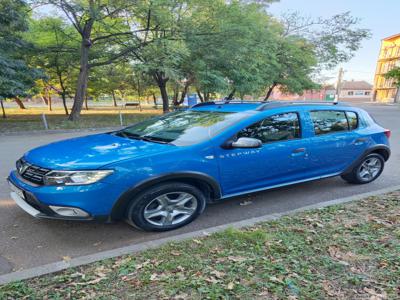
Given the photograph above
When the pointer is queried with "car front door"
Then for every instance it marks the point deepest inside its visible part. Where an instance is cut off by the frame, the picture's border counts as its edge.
(282, 157)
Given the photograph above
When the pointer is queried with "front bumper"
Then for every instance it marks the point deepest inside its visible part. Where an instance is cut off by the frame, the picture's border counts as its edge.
(96, 199)
(28, 203)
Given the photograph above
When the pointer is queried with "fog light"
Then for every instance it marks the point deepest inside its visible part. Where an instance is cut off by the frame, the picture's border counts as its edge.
(69, 211)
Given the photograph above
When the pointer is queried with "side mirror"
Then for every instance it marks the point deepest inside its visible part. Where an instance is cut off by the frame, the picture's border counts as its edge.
(245, 142)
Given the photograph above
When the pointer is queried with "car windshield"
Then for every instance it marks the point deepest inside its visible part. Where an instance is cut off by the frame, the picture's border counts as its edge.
(182, 128)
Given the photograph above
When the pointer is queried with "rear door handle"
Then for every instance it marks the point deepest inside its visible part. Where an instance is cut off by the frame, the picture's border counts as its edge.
(360, 141)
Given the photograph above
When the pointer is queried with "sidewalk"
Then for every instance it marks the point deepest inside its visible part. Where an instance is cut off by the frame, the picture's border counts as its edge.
(347, 251)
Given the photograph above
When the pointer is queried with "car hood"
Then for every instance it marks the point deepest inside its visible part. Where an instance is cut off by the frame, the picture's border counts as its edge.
(91, 152)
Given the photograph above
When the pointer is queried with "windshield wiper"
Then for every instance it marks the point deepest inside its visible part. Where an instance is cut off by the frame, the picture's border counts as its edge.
(154, 139)
(129, 135)
(146, 138)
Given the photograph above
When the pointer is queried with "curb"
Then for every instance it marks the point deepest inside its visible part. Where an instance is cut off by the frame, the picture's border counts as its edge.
(87, 259)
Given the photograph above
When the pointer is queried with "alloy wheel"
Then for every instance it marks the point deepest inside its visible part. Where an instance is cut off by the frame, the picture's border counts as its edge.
(170, 209)
(369, 169)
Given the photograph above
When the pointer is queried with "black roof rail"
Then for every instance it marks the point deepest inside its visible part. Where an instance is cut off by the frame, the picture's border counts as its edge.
(203, 104)
(273, 104)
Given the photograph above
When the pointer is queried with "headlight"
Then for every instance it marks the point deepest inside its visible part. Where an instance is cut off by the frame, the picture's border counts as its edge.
(75, 177)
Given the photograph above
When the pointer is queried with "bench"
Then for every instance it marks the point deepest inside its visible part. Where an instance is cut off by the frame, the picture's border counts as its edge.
(134, 104)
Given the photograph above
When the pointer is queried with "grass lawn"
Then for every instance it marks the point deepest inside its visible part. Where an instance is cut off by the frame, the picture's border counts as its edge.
(348, 251)
(96, 117)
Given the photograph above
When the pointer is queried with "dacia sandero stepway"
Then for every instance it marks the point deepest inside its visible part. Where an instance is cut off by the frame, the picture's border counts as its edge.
(159, 174)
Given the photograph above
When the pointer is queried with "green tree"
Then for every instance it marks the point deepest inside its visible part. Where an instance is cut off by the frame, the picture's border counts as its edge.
(103, 27)
(16, 77)
(113, 80)
(395, 75)
(56, 46)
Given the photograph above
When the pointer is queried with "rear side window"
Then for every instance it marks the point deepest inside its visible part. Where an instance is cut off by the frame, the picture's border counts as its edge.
(353, 120)
(279, 127)
(329, 121)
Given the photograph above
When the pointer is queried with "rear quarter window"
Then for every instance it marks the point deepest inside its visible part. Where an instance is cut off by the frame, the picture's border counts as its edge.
(329, 121)
(352, 117)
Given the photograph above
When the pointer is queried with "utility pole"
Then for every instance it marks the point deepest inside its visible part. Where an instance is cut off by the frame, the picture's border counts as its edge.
(339, 85)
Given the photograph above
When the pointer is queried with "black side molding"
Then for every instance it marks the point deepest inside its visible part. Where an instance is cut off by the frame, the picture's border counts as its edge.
(383, 149)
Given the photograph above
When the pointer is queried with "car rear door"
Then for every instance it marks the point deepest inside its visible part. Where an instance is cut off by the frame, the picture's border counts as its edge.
(335, 142)
(282, 158)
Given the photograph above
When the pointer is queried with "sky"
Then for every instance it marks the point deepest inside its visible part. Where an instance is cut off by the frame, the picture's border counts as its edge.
(382, 17)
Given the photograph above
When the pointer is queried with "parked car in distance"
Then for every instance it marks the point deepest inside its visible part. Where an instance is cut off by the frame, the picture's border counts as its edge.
(159, 174)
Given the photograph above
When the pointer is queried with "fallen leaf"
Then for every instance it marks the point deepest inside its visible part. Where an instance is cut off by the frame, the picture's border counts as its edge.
(218, 274)
(66, 258)
(175, 253)
(230, 286)
(245, 203)
(198, 242)
(153, 277)
(237, 258)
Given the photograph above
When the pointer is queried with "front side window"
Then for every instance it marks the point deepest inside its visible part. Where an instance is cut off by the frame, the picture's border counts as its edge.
(182, 128)
(329, 121)
(275, 128)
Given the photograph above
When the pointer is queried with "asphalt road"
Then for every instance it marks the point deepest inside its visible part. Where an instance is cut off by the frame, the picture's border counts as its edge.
(27, 242)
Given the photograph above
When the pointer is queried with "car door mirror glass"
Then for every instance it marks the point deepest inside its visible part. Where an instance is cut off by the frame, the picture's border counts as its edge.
(245, 142)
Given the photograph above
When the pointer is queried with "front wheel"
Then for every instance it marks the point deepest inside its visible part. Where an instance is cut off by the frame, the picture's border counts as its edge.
(166, 207)
(369, 169)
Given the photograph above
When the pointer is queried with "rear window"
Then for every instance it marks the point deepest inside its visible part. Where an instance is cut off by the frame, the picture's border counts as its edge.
(329, 121)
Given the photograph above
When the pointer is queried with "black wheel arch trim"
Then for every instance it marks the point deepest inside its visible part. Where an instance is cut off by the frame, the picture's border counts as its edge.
(121, 204)
(370, 150)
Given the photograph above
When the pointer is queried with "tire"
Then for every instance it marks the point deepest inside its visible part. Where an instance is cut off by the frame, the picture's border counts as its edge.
(364, 172)
(165, 207)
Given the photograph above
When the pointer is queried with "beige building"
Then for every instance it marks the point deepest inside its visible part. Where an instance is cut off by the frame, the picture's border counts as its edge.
(389, 57)
(355, 90)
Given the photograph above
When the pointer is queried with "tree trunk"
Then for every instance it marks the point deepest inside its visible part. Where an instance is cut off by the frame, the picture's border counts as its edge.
(230, 96)
(114, 99)
(86, 105)
(397, 96)
(207, 97)
(20, 103)
(162, 85)
(199, 94)
(49, 103)
(164, 95)
(154, 99)
(270, 90)
(2, 109)
(81, 85)
(176, 95)
(64, 103)
(44, 99)
(184, 92)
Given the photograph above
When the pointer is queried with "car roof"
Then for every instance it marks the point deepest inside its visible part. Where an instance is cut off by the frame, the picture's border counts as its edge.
(241, 106)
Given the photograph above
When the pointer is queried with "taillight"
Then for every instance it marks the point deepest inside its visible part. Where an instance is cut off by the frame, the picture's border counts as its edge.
(388, 133)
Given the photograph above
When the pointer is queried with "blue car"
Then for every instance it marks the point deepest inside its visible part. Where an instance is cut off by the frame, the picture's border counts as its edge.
(159, 174)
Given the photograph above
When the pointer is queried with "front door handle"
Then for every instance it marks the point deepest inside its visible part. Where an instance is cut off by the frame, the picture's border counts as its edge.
(299, 150)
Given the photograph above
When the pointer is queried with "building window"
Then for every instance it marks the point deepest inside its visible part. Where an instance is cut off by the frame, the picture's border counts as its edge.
(351, 93)
(367, 93)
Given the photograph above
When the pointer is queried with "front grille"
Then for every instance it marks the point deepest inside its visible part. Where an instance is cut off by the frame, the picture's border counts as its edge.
(31, 172)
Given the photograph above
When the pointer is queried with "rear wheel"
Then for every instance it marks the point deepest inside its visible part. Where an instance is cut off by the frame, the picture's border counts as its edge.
(369, 169)
(166, 207)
